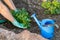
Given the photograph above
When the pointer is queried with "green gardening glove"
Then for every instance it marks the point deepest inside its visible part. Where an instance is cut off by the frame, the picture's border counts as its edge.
(17, 24)
(16, 10)
(2, 21)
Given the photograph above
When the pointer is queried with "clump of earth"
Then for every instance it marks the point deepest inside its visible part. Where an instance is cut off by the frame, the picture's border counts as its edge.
(24, 35)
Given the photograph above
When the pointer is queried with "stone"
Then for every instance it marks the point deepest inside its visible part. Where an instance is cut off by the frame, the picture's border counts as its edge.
(6, 35)
(24, 35)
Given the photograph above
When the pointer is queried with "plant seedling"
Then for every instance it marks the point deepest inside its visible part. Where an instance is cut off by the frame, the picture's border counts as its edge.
(22, 16)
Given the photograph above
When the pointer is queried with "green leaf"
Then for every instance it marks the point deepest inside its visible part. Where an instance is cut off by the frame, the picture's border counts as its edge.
(51, 7)
(46, 4)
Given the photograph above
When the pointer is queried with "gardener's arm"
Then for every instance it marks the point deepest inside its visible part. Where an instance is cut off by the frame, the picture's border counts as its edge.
(5, 12)
(10, 4)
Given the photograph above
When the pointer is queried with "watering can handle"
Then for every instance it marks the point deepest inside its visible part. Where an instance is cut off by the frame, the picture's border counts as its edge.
(57, 26)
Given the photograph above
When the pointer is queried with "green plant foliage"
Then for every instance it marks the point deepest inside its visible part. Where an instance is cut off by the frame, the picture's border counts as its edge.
(46, 4)
(52, 7)
(22, 16)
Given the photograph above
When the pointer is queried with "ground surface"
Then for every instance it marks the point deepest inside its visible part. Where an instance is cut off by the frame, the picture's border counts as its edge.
(34, 28)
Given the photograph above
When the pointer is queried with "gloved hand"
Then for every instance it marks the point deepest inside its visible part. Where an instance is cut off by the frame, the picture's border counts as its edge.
(17, 24)
(16, 10)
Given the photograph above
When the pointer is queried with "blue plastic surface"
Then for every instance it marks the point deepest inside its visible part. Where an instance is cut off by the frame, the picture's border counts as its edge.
(46, 26)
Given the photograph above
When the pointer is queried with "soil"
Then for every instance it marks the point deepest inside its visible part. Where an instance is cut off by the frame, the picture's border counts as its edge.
(34, 27)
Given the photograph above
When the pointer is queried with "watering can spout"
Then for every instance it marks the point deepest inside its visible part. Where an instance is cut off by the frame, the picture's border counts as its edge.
(37, 21)
(33, 15)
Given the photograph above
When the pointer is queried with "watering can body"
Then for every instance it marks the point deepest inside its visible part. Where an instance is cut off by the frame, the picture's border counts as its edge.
(46, 26)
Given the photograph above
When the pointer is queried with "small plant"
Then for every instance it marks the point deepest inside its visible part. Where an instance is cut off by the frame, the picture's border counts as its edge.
(22, 16)
(52, 7)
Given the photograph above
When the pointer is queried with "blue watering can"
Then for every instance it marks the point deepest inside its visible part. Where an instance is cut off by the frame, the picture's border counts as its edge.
(46, 26)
